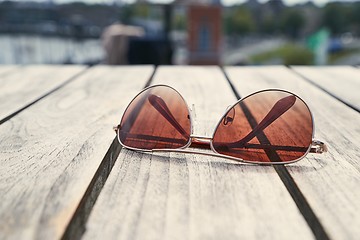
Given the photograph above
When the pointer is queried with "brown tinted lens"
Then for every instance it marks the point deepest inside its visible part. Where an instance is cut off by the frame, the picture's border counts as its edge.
(269, 126)
(158, 118)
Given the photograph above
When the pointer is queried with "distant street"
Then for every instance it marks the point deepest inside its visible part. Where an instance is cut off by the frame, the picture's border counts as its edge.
(240, 55)
(352, 59)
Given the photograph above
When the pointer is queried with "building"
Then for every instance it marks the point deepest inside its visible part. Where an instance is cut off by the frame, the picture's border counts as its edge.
(204, 32)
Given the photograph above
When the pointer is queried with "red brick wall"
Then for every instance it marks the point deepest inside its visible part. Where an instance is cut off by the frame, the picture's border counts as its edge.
(211, 17)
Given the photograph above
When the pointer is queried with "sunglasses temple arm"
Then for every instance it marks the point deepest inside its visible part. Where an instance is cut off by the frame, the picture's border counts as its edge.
(279, 108)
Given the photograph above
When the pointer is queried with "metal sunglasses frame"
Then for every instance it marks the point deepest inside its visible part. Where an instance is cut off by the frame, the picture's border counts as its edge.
(316, 146)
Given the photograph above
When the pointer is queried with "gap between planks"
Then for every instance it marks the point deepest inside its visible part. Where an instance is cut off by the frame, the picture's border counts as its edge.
(37, 99)
(329, 182)
(331, 90)
(139, 217)
(83, 103)
(79, 219)
(76, 226)
(296, 194)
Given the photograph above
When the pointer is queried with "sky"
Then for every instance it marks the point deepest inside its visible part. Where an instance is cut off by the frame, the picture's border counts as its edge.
(225, 2)
(287, 2)
(231, 2)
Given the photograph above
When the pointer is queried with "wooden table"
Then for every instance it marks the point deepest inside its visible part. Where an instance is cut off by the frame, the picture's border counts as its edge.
(63, 174)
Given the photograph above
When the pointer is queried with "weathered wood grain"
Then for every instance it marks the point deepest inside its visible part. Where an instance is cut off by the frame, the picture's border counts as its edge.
(6, 69)
(330, 182)
(30, 83)
(50, 152)
(341, 81)
(187, 196)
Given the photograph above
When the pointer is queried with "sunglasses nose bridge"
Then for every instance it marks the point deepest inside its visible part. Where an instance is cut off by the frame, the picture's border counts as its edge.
(200, 141)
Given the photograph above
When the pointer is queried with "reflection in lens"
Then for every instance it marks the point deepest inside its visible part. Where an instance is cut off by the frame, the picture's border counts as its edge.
(158, 118)
(269, 126)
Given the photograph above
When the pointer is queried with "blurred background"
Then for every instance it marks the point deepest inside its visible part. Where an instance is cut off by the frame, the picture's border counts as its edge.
(228, 32)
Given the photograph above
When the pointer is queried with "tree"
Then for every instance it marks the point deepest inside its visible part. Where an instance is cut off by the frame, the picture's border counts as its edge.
(179, 22)
(355, 17)
(239, 21)
(129, 11)
(141, 10)
(268, 25)
(126, 13)
(292, 22)
(336, 17)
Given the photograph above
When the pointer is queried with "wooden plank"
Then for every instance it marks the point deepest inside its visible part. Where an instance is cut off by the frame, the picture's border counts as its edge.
(50, 153)
(31, 83)
(188, 196)
(5, 69)
(341, 81)
(329, 182)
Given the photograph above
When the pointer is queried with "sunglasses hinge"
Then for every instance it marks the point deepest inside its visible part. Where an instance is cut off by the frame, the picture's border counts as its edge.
(318, 147)
(116, 128)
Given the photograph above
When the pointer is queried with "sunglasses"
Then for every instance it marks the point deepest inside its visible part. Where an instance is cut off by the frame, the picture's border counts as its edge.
(266, 127)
